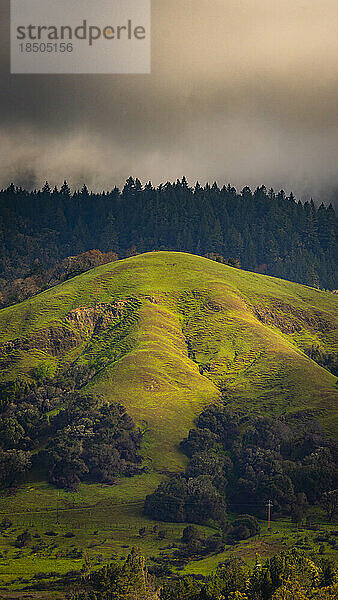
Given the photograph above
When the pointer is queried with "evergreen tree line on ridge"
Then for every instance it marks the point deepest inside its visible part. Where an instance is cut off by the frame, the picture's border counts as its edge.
(263, 231)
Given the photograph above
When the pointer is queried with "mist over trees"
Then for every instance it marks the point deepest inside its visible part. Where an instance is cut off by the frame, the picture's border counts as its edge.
(263, 231)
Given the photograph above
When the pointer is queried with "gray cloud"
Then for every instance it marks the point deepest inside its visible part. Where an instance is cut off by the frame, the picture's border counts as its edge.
(240, 91)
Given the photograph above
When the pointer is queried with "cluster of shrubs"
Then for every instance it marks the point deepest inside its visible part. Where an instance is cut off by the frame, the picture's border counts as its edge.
(291, 574)
(328, 360)
(85, 439)
(193, 544)
(242, 528)
(93, 441)
(231, 262)
(244, 461)
(288, 575)
(121, 581)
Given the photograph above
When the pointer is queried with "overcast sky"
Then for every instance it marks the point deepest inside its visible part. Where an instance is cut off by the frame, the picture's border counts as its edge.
(241, 91)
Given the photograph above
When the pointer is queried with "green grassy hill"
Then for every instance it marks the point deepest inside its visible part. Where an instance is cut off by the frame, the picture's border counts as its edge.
(181, 328)
(165, 334)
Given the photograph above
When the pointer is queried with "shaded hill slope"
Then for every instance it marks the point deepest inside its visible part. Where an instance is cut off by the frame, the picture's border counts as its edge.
(167, 333)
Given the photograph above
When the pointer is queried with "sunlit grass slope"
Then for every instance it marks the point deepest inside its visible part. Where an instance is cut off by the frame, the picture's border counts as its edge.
(189, 329)
(183, 331)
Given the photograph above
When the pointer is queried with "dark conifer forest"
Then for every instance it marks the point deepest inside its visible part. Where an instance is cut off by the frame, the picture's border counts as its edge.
(262, 231)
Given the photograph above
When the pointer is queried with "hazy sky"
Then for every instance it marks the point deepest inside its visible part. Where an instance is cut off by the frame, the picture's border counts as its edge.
(244, 91)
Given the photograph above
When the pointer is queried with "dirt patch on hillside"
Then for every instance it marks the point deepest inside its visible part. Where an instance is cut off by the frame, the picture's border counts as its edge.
(99, 315)
(79, 324)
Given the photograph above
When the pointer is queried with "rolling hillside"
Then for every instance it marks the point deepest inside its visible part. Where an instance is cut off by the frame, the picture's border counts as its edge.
(166, 333)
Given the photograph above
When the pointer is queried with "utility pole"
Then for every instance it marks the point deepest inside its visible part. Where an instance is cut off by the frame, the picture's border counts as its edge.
(57, 508)
(269, 514)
